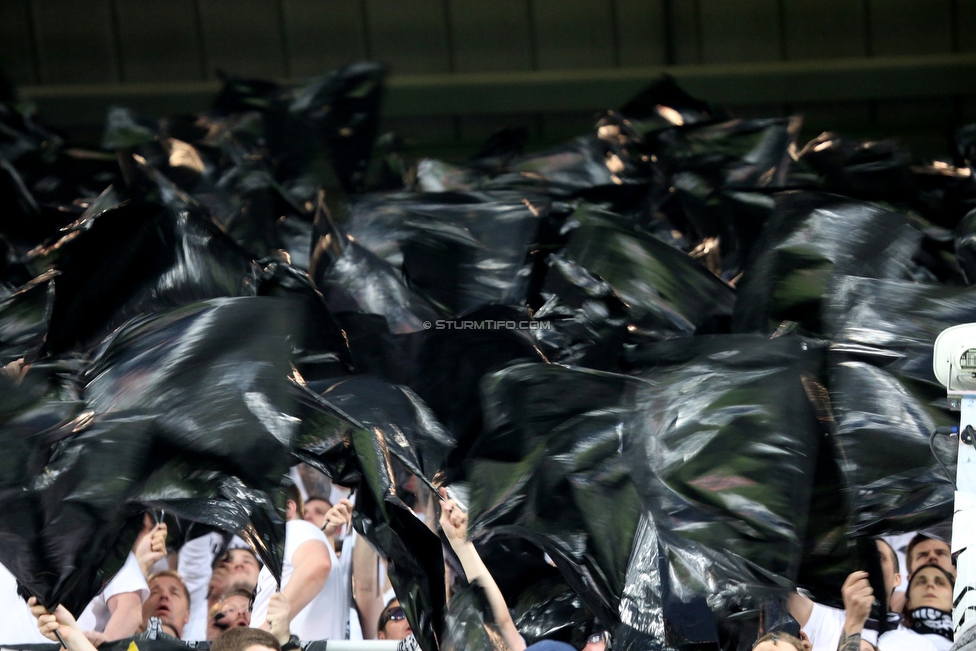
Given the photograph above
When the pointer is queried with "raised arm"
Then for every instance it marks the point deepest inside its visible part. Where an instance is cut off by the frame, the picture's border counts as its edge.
(366, 589)
(312, 566)
(858, 597)
(800, 608)
(454, 522)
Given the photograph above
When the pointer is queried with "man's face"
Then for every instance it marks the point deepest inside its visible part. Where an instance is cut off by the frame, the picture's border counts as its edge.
(315, 511)
(242, 567)
(395, 629)
(167, 601)
(931, 552)
(891, 578)
(232, 613)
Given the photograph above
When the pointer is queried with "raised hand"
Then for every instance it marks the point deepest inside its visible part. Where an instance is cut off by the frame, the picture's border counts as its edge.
(279, 617)
(454, 521)
(61, 621)
(151, 548)
(337, 516)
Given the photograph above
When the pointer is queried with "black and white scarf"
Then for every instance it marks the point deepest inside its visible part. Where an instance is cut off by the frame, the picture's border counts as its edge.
(932, 621)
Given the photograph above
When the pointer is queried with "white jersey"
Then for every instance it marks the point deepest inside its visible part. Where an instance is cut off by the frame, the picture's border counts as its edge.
(320, 618)
(903, 639)
(195, 567)
(826, 625)
(128, 579)
(17, 625)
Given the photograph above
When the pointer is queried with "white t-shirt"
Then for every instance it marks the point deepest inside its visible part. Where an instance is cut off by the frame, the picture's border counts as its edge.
(938, 642)
(903, 639)
(826, 624)
(195, 568)
(128, 579)
(17, 625)
(320, 618)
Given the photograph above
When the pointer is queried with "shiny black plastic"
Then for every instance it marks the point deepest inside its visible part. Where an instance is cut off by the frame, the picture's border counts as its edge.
(461, 250)
(885, 396)
(812, 238)
(131, 258)
(693, 483)
(213, 377)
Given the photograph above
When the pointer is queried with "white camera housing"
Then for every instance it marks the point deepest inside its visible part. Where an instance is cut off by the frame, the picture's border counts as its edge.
(954, 358)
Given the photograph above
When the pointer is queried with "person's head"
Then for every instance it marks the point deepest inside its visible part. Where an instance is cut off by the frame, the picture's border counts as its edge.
(233, 611)
(930, 586)
(169, 600)
(777, 641)
(924, 550)
(294, 508)
(890, 567)
(235, 567)
(245, 639)
(315, 510)
(393, 624)
(597, 641)
(242, 566)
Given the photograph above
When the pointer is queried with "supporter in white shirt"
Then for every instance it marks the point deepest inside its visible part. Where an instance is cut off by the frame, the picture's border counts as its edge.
(306, 568)
(207, 578)
(338, 587)
(116, 612)
(17, 625)
(825, 625)
(928, 610)
(196, 567)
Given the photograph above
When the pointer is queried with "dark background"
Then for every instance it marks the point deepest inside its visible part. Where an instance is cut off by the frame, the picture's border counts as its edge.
(462, 68)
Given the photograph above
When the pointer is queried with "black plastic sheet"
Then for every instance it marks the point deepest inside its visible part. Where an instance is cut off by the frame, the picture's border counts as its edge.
(339, 110)
(885, 396)
(134, 257)
(665, 101)
(965, 245)
(360, 282)
(353, 432)
(24, 318)
(461, 250)
(612, 284)
(213, 377)
(812, 238)
(704, 494)
(320, 350)
(416, 562)
(396, 417)
(60, 525)
(468, 624)
(664, 289)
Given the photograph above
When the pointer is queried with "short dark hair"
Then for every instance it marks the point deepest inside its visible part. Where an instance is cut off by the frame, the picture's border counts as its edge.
(774, 637)
(892, 553)
(917, 540)
(385, 613)
(237, 590)
(173, 574)
(292, 493)
(238, 639)
(225, 555)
